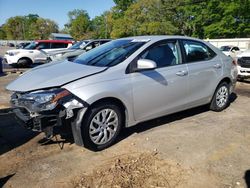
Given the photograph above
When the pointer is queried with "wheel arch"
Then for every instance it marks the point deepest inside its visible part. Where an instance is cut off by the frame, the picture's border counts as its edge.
(226, 79)
(26, 58)
(115, 101)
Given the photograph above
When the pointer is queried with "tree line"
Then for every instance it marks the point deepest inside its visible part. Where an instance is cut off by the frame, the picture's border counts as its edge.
(197, 18)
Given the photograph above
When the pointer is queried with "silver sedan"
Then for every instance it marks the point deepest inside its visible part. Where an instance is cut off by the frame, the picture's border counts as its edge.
(122, 83)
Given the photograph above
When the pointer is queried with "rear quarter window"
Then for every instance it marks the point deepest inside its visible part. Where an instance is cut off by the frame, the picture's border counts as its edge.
(196, 51)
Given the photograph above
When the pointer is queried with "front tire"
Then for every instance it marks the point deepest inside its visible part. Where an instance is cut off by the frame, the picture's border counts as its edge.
(101, 126)
(26, 63)
(220, 99)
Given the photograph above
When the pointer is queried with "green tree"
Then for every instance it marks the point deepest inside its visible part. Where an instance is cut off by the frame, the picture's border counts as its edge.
(145, 17)
(29, 27)
(79, 24)
(43, 28)
(213, 18)
(2, 33)
(15, 28)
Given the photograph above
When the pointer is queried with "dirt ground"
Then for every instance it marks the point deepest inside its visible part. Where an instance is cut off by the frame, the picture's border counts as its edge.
(194, 148)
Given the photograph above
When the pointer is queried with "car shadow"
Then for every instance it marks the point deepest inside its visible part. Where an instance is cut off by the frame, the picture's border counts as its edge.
(5, 179)
(147, 125)
(12, 134)
(247, 178)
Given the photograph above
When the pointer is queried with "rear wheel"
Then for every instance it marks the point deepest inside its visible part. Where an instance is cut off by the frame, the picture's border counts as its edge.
(101, 126)
(221, 97)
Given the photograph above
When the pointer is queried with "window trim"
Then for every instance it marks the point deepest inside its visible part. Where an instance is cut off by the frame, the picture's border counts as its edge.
(184, 51)
(131, 67)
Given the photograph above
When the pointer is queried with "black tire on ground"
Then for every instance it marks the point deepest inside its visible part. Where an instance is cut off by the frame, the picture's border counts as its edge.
(24, 62)
(220, 100)
(89, 120)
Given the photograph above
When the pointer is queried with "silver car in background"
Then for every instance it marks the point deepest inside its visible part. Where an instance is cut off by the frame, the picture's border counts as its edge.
(77, 49)
(122, 83)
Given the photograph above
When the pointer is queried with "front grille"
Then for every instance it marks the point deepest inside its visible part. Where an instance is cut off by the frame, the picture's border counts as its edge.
(244, 62)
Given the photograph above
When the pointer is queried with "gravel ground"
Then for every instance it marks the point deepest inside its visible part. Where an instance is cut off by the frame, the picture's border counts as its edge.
(194, 148)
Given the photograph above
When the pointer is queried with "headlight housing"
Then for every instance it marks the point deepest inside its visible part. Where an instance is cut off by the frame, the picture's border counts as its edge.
(37, 101)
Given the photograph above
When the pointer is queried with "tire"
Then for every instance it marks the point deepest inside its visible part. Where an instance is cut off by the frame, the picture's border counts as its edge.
(24, 62)
(220, 100)
(95, 125)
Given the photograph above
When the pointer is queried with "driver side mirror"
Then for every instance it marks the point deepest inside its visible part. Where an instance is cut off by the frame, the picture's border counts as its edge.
(146, 64)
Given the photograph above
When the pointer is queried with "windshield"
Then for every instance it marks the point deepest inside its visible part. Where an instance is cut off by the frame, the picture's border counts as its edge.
(31, 46)
(78, 44)
(225, 48)
(110, 54)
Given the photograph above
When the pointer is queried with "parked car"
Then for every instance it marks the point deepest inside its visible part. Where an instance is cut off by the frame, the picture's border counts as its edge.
(22, 45)
(11, 44)
(122, 83)
(231, 51)
(75, 50)
(33, 52)
(243, 63)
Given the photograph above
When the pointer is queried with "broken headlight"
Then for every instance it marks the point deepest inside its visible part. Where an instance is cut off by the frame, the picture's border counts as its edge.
(42, 100)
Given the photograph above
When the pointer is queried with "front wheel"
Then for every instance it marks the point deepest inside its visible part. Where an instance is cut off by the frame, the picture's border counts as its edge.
(220, 99)
(24, 62)
(101, 126)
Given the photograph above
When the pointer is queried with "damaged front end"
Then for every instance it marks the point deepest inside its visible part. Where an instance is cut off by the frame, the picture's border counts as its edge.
(46, 110)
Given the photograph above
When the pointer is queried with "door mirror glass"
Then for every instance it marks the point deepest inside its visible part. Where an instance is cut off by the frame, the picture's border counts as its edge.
(145, 64)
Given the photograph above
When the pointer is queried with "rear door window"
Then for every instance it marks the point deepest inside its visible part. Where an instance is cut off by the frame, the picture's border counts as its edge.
(59, 45)
(196, 51)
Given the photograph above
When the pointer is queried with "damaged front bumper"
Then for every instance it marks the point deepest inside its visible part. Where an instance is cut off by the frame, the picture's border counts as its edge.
(65, 116)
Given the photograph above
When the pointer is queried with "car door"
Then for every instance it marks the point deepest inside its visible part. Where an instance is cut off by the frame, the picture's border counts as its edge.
(204, 71)
(164, 89)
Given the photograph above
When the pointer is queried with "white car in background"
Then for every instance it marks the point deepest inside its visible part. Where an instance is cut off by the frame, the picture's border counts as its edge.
(34, 52)
(232, 51)
(243, 65)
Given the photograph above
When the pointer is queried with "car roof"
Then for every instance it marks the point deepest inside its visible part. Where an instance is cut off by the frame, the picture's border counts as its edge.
(55, 41)
(231, 46)
(161, 37)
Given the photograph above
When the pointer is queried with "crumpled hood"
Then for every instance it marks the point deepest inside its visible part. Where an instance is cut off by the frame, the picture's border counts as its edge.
(52, 75)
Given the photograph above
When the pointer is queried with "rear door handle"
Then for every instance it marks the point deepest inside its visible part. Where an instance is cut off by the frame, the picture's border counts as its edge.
(217, 66)
(182, 73)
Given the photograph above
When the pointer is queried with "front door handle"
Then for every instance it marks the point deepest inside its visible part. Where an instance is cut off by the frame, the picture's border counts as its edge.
(217, 66)
(182, 73)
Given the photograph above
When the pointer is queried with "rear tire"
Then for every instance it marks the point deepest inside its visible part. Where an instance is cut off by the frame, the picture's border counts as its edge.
(101, 126)
(220, 100)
